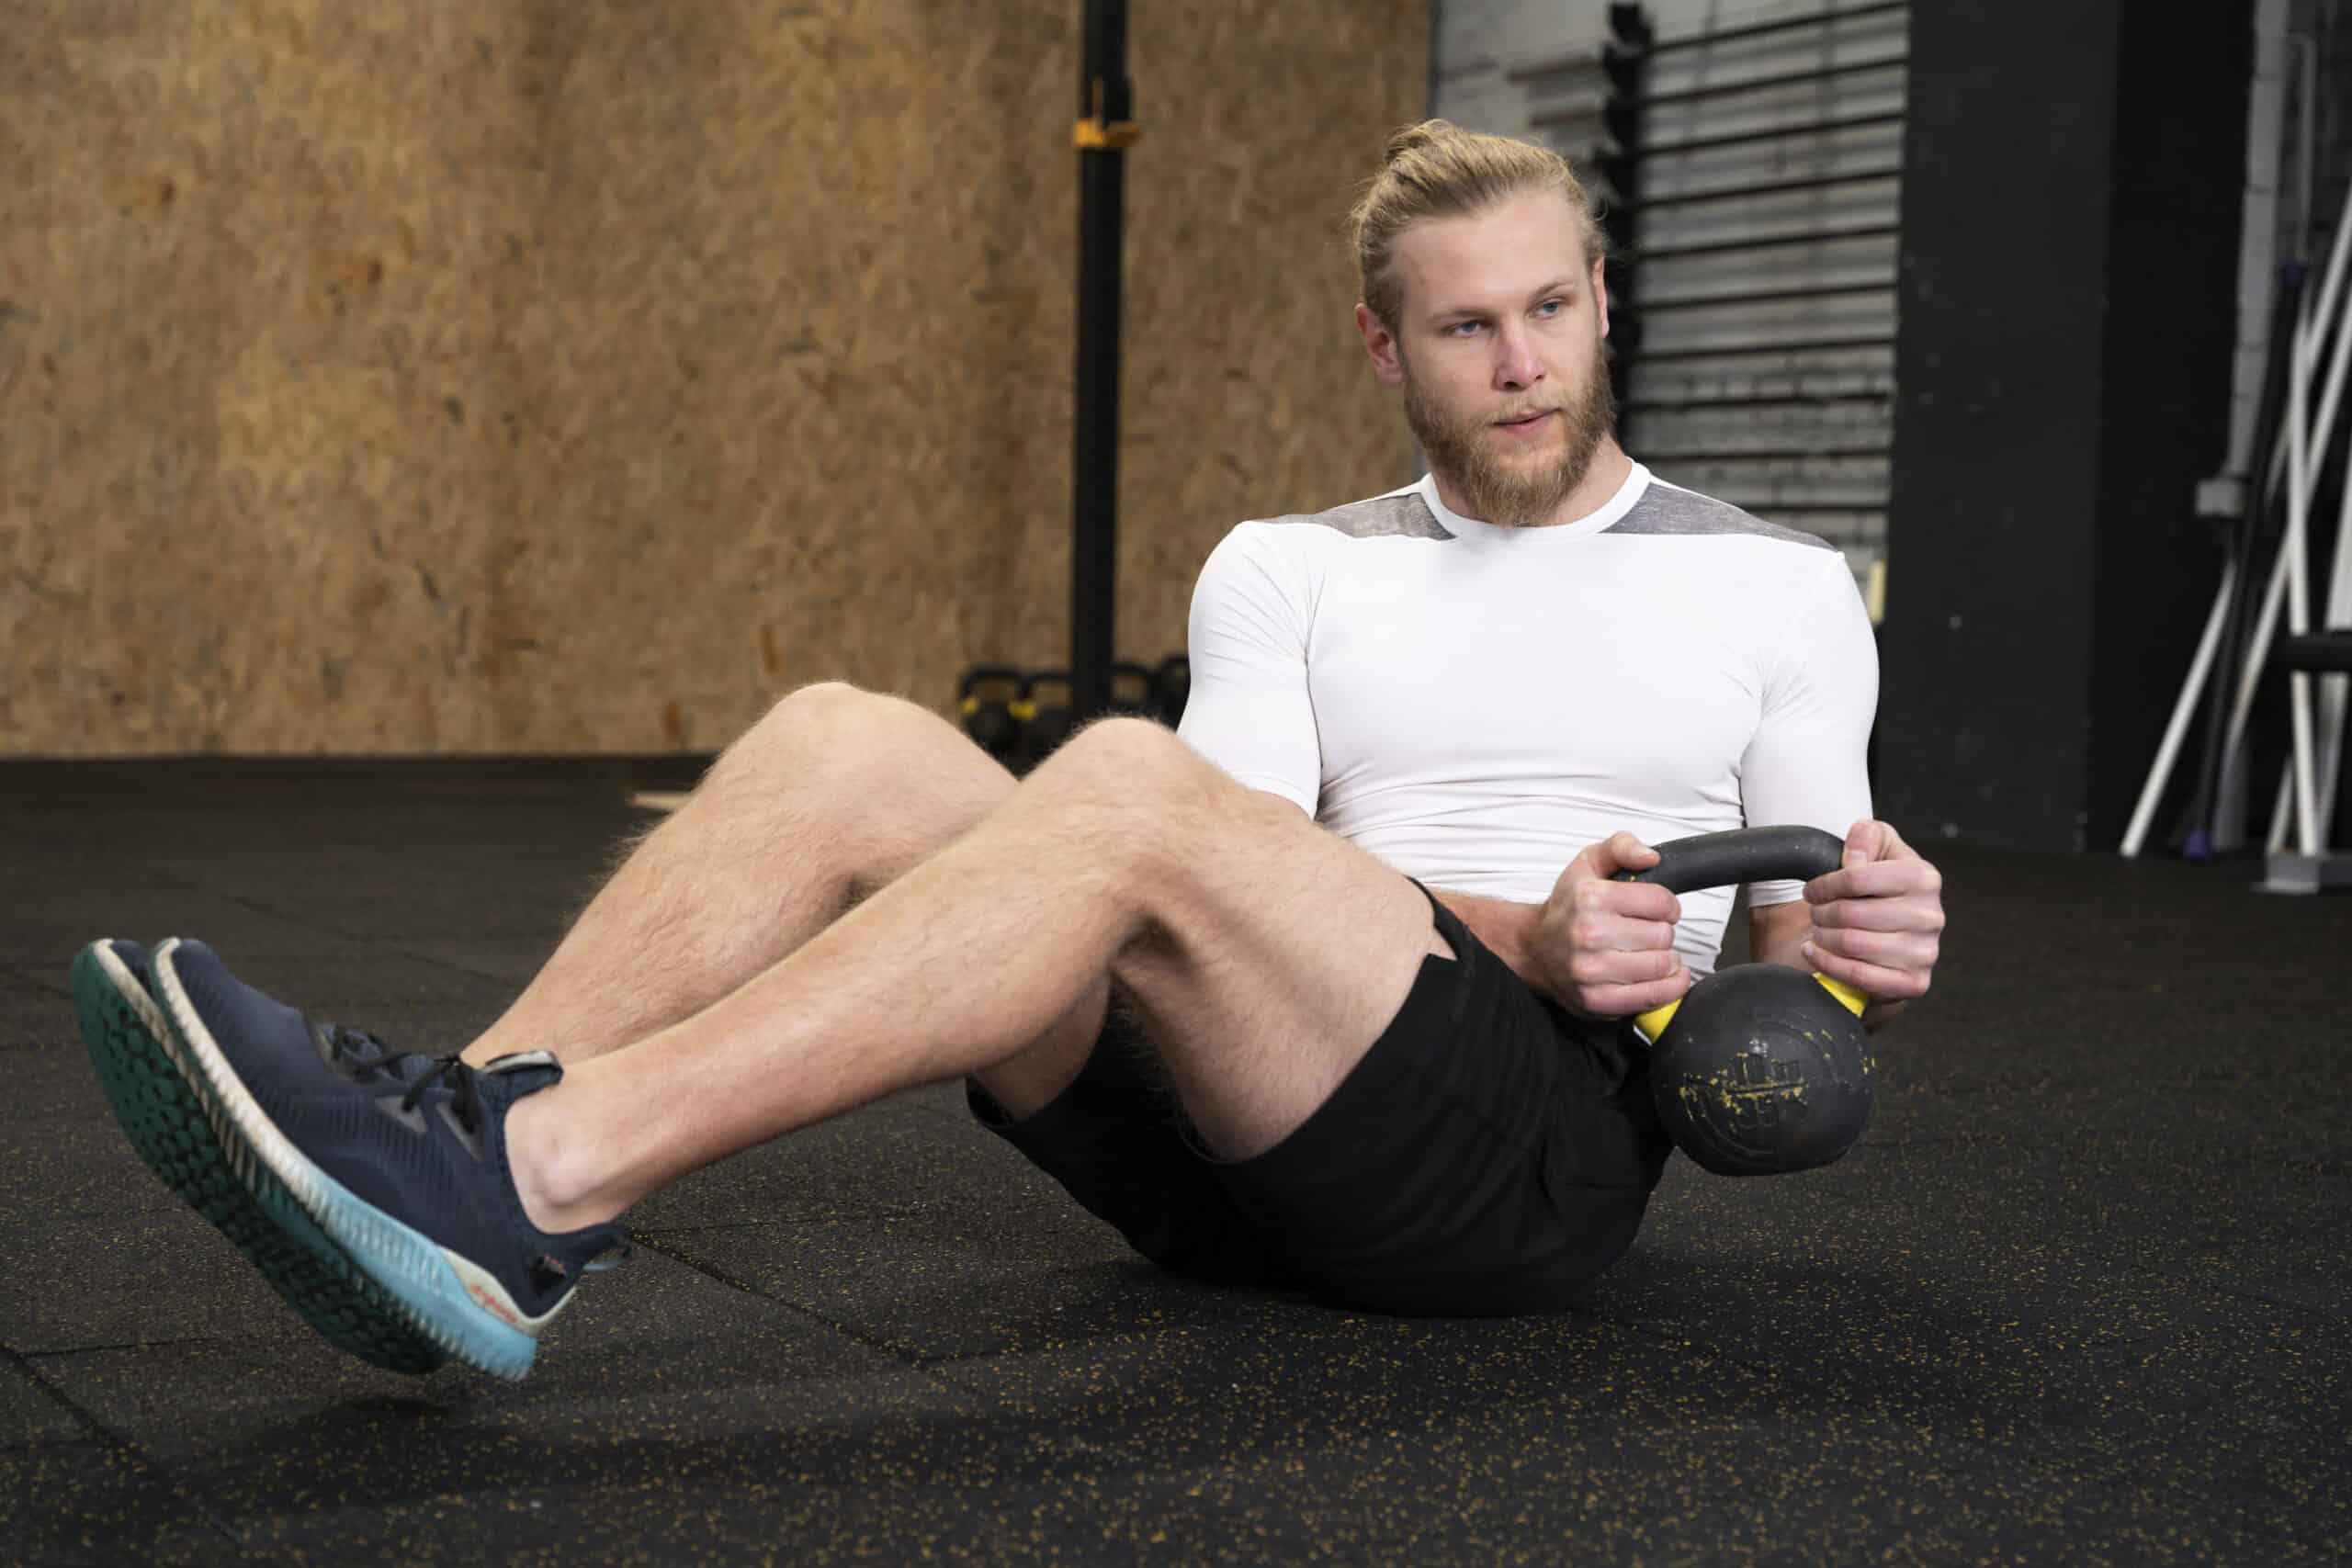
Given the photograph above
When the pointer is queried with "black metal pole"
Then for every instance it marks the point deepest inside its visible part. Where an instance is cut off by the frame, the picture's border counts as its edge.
(1105, 128)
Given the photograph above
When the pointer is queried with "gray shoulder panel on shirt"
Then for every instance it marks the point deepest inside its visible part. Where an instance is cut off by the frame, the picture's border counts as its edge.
(1384, 516)
(1665, 510)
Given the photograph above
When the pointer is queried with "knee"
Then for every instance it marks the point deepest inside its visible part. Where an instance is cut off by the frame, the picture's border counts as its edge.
(825, 703)
(829, 718)
(1135, 749)
(1148, 786)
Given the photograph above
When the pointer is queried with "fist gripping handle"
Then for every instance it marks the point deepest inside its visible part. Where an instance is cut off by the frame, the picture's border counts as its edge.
(1744, 854)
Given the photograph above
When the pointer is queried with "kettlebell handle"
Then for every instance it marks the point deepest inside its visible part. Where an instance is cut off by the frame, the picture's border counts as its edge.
(1744, 854)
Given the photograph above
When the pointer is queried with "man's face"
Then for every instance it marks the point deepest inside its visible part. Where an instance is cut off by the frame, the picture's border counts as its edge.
(1499, 351)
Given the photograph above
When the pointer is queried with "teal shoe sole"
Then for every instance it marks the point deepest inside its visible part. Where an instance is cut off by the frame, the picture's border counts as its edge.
(415, 1285)
(157, 1107)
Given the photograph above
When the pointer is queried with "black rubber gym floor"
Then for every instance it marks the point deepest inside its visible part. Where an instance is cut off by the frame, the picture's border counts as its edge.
(2078, 1297)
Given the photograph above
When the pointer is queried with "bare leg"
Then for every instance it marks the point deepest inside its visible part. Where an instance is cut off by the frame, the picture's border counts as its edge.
(834, 793)
(1267, 956)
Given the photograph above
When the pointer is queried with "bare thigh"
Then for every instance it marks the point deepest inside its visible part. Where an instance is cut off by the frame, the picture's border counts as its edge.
(833, 794)
(1274, 953)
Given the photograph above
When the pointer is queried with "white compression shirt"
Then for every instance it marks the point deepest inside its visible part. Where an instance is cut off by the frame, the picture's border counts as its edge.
(1473, 703)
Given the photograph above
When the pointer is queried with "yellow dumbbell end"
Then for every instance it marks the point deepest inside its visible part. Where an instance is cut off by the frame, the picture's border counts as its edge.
(1852, 1000)
(1022, 709)
(971, 705)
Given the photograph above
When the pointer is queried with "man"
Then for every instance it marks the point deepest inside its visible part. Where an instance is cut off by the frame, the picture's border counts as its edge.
(1380, 1057)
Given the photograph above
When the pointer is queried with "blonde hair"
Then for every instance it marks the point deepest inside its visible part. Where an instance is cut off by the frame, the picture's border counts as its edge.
(1436, 169)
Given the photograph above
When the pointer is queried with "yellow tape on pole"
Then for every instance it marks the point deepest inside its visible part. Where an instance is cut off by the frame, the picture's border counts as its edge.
(1094, 135)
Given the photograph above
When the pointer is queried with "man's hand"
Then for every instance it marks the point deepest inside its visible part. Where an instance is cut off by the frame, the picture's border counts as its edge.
(1877, 921)
(1606, 948)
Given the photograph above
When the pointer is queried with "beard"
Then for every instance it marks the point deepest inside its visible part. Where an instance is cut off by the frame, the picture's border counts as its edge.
(1507, 489)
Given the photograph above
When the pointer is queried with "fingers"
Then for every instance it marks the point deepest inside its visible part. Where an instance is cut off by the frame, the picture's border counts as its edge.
(1624, 1000)
(1874, 980)
(1878, 921)
(1612, 943)
(1604, 901)
(1621, 852)
(1870, 840)
(1888, 949)
(1879, 879)
(1593, 970)
(1895, 914)
(1593, 893)
(1613, 984)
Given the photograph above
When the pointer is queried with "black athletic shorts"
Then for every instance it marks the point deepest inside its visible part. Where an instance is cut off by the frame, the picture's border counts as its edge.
(1489, 1154)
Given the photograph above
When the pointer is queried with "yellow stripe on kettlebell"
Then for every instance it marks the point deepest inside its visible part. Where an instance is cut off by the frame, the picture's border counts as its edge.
(1852, 1000)
(1653, 1023)
(1022, 709)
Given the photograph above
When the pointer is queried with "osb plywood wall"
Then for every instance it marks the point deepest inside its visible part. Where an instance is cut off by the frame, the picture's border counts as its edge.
(514, 375)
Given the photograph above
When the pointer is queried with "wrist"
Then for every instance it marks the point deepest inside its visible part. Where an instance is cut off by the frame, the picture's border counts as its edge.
(1504, 929)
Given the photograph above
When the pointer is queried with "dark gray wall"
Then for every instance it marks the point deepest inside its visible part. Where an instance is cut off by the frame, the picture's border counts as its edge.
(2070, 236)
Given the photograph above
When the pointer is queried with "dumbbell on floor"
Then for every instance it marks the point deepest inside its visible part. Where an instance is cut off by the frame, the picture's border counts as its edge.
(1171, 688)
(985, 698)
(1131, 690)
(1046, 717)
(1019, 718)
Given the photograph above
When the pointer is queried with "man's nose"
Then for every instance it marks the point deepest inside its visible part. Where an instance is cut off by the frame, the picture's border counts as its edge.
(1517, 366)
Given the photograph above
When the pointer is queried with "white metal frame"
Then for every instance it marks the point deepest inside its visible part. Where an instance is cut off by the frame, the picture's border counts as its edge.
(2307, 789)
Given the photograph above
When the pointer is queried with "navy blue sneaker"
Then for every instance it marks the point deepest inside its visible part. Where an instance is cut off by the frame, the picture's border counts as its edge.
(149, 1090)
(397, 1159)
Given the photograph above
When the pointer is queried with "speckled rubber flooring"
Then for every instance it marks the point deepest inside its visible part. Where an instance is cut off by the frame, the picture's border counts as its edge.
(2080, 1297)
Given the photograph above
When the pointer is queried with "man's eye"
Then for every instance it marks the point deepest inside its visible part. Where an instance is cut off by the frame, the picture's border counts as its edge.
(1553, 306)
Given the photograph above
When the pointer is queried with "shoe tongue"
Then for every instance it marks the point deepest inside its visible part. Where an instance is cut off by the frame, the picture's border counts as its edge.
(352, 1053)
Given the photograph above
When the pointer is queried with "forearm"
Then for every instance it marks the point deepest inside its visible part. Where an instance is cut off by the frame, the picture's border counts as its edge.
(1504, 928)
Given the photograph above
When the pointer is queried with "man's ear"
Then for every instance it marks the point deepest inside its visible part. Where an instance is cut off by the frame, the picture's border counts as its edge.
(1381, 344)
(1601, 292)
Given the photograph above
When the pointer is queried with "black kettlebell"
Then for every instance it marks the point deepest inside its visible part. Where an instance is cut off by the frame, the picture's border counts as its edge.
(1172, 687)
(985, 698)
(1758, 1070)
(1131, 690)
(1045, 724)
